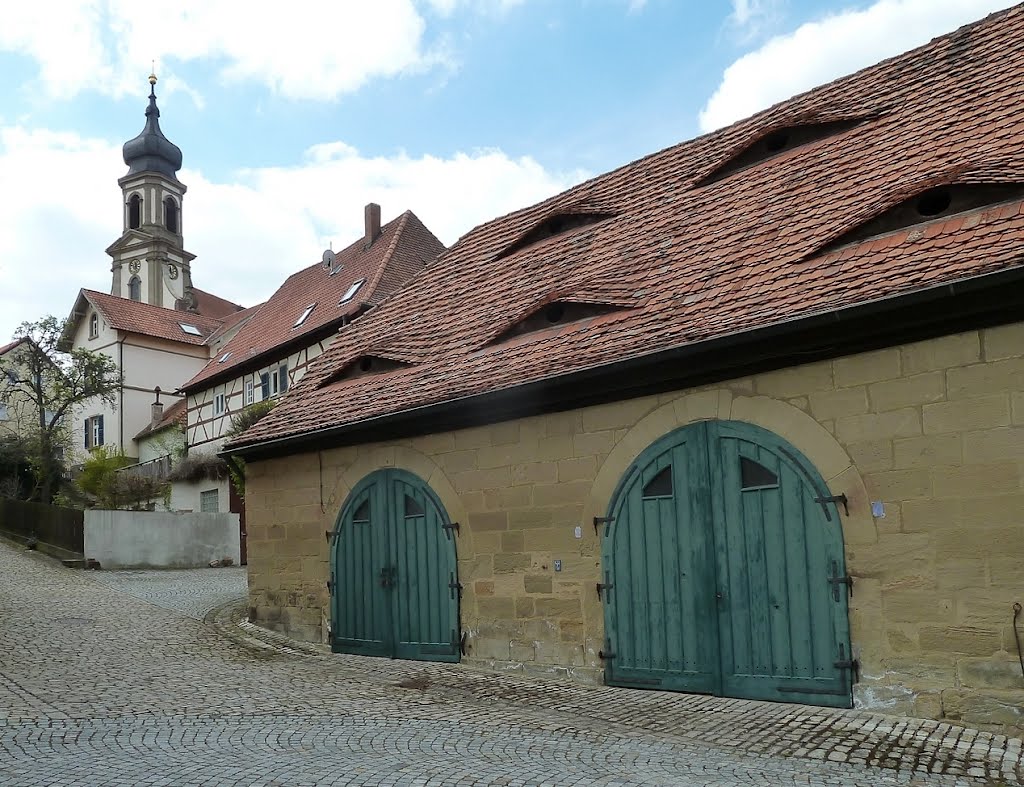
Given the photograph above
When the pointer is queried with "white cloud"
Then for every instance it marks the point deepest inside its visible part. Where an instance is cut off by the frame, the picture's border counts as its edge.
(250, 233)
(820, 51)
(318, 49)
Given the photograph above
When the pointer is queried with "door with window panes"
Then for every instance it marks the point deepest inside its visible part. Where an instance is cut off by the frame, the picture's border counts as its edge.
(394, 577)
(723, 571)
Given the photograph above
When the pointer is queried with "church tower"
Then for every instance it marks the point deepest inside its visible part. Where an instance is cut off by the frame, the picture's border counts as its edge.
(150, 263)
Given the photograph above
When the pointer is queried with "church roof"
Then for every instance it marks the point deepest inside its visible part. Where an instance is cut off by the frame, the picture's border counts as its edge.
(900, 184)
(151, 151)
(358, 278)
(136, 317)
(210, 305)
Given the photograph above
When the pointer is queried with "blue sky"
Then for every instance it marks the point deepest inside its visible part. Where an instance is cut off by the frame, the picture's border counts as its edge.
(460, 110)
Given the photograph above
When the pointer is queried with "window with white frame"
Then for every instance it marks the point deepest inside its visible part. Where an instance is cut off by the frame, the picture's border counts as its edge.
(209, 501)
(249, 392)
(94, 431)
(219, 404)
(264, 385)
(282, 377)
(94, 326)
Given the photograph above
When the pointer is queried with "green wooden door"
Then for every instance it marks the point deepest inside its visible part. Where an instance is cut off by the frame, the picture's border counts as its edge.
(395, 589)
(742, 537)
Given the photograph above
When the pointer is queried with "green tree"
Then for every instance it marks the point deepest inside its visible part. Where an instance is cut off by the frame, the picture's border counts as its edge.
(241, 423)
(45, 382)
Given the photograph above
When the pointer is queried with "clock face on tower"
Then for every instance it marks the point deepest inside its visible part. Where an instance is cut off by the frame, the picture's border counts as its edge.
(172, 271)
(134, 266)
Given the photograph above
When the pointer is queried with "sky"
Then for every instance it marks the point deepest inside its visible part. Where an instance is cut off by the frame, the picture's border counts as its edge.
(291, 120)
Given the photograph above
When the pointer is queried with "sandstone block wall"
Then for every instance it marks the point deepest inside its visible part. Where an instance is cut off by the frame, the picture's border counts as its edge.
(934, 431)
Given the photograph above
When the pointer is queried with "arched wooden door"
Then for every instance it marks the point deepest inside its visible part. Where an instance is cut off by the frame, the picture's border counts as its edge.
(722, 563)
(394, 575)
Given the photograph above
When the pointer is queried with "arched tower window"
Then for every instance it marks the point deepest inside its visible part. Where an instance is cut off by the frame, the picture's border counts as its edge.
(135, 288)
(134, 212)
(171, 214)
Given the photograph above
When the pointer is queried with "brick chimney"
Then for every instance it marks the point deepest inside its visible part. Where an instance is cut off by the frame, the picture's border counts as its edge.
(157, 409)
(371, 215)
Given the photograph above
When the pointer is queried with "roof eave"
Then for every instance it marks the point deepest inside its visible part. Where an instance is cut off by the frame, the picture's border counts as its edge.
(920, 314)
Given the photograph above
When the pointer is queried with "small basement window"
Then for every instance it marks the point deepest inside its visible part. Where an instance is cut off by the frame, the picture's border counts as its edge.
(305, 315)
(350, 293)
(191, 330)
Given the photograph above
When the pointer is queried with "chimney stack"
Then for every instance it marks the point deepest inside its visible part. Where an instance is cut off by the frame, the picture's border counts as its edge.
(157, 409)
(371, 215)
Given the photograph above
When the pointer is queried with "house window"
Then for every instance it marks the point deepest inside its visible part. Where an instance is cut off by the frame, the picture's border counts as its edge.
(209, 502)
(94, 431)
(219, 404)
(135, 288)
(94, 326)
(350, 293)
(264, 385)
(171, 214)
(282, 376)
(249, 393)
(135, 212)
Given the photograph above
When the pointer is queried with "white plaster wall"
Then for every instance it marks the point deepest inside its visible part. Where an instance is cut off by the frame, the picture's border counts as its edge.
(185, 494)
(158, 539)
(106, 343)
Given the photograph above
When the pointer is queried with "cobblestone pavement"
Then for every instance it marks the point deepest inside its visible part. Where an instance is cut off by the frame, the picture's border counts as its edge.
(113, 679)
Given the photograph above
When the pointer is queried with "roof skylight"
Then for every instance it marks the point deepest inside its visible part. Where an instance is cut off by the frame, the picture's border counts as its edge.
(189, 329)
(350, 293)
(304, 315)
(224, 357)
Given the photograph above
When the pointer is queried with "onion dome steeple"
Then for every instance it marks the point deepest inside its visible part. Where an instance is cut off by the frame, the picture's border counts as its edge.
(151, 151)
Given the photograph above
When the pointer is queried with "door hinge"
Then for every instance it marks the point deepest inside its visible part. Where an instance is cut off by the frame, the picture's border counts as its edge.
(328, 534)
(449, 527)
(606, 655)
(453, 586)
(835, 581)
(603, 520)
(824, 501)
(330, 585)
(606, 585)
(851, 664)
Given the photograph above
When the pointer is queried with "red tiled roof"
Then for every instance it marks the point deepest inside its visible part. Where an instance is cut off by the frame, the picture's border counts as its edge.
(699, 262)
(232, 320)
(6, 348)
(403, 247)
(136, 317)
(209, 305)
(177, 413)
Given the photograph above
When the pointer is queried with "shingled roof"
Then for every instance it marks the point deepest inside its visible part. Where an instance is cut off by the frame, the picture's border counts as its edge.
(136, 317)
(402, 248)
(826, 202)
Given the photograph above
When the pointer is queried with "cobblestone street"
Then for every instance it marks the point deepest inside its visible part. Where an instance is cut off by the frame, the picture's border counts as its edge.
(152, 678)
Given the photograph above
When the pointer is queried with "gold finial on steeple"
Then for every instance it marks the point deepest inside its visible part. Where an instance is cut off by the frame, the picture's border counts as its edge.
(152, 73)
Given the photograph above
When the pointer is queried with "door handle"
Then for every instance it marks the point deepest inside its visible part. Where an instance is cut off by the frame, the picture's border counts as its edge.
(718, 595)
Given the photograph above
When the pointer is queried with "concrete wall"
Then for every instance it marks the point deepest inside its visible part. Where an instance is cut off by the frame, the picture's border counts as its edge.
(156, 539)
(933, 430)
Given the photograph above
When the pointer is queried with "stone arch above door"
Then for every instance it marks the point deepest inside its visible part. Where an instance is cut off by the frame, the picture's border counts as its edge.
(401, 458)
(790, 423)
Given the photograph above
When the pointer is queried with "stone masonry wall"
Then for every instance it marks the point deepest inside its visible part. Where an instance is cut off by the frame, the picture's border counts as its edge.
(933, 430)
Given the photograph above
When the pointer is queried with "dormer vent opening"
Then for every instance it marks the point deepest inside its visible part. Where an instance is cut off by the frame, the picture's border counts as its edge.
(556, 313)
(776, 143)
(365, 366)
(557, 224)
(935, 203)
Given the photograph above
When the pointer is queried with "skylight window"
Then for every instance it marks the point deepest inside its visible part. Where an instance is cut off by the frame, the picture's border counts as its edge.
(304, 315)
(224, 357)
(191, 330)
(350, 293)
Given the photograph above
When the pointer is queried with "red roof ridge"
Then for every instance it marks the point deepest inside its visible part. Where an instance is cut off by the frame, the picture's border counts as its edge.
(403, 221)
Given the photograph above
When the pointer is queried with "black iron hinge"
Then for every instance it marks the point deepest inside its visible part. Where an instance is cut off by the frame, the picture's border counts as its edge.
(330, 586)
(606, 655)
(851, 664)
(453, 586)
(835, 581)
(328, 534)
(824, 501)
(603, 520)
(601, 586)
(449, 527)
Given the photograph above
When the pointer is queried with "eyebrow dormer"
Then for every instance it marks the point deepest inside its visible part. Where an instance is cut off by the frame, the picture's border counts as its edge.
(556, 224)
(777, 142)
(560, 312)
(365, 366)
(928, 205)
